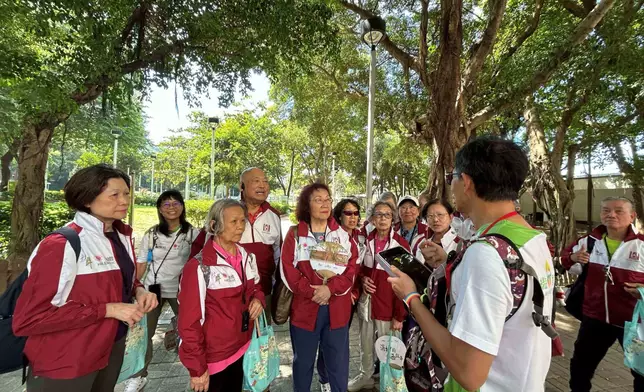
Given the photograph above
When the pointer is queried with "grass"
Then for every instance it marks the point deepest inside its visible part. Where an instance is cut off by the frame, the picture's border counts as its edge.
(144, 218)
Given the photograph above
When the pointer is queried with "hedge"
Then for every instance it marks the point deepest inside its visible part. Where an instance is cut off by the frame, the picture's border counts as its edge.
(55, 215)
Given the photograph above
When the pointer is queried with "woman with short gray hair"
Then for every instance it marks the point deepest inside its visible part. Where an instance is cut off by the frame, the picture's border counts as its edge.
(220, 297)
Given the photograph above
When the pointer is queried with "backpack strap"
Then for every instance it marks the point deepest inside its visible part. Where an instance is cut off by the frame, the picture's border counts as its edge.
(513, 260)
(72, 237)
(590, 244)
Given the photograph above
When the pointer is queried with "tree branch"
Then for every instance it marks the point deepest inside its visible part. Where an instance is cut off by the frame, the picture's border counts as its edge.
(346, 90)
(574, 8)
(527, 33)
(556, 58)
(482, 48)
(570, 109)
(424, 20)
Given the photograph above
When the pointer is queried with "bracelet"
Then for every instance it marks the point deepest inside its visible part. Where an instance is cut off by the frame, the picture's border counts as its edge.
(410, 297)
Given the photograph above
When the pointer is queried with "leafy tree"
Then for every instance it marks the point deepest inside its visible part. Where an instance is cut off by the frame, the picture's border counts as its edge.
(57, 55)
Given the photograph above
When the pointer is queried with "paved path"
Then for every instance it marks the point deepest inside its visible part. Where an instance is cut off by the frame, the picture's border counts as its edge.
(167, 374)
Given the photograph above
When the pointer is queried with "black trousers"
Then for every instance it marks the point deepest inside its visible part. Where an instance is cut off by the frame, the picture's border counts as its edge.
(228, 380)
(594, 339)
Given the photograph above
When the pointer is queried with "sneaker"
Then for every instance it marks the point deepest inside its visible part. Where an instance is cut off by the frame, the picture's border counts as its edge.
(325, 387)
(360, 382)
(135, 384)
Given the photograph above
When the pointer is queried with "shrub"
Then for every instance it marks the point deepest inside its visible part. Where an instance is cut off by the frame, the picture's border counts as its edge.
(146, 200)
(55, 215)
(283, 208)
(196, 211)
(54, 196)
(293, 218)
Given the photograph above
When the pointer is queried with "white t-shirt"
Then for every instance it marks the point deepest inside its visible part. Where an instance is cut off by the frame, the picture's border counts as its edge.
(480, 290)
(168, 272)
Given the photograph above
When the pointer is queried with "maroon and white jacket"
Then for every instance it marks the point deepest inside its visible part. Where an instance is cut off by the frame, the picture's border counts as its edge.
(263, 238)
(384, 303)
(298, 275)
(602, 300)
(421, 229)
(63, 302)
(210, 315)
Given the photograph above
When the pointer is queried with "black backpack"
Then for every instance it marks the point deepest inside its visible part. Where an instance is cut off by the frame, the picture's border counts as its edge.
(11, 345)
(575, 298)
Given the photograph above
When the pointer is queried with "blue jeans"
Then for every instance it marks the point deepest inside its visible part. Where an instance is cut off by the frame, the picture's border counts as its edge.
(334, 343)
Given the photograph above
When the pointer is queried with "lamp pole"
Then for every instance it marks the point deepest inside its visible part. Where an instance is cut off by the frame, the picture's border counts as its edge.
(373, 32)
(154, 157)
(213, 121)
(186, 191)
(116, 133)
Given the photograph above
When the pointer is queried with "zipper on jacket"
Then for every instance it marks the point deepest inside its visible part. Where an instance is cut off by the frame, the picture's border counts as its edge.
(606, 299)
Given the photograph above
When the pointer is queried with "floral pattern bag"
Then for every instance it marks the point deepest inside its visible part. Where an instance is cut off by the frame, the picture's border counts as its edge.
(634, 338)
(262, 359)
(391, 379)
(136, 344)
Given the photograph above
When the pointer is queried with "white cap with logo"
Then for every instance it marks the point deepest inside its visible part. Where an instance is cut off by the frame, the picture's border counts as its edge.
(408, 198)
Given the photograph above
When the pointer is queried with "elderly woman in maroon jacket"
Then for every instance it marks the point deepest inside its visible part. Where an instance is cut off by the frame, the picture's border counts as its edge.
(318, 265)
(220, 297)
(76, 313)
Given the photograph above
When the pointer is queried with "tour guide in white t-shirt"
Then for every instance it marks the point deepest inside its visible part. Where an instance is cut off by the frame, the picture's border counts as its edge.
(480, 350)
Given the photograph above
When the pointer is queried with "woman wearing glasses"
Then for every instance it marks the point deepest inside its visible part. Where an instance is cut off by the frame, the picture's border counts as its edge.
(318, 265)
(163, 253)
(438, 214)
(378, 307)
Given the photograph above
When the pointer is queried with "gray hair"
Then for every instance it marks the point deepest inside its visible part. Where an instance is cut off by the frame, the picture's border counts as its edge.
(382, 203)
(215, 218)
(388, 195)
(618, 198)
(241, 176)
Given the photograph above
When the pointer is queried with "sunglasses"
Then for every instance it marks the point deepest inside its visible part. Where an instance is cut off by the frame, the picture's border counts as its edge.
(449, 177)
(351, 213)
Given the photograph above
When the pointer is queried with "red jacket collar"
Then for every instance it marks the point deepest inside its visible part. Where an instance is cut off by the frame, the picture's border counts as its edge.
(599, 231)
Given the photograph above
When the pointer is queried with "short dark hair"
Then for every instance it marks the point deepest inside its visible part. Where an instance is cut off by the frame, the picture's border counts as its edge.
(86, 184)
(497, 167)
(303, 207)
(337, 211)
(163, 224)
(443, 202)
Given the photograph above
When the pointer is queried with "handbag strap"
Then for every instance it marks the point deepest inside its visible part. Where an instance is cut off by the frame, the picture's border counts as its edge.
(260, 324)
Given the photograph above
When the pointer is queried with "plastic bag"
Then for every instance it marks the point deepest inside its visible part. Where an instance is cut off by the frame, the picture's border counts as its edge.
(634, 338)
(262, 359)
(391, 380)
(136, 344)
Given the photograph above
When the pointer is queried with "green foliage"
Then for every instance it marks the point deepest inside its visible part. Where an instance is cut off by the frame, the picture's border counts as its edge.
(282, 208)
(54, 196)
(197, 210)
(55, 215)
(293, 218)
(146, 200)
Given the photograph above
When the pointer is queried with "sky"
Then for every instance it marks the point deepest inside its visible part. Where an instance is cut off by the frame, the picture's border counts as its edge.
(162, 114)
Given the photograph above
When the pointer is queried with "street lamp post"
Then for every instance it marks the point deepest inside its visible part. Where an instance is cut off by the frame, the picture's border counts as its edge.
(373, 32)
(116, 133)
(154, 157)
(213, 121)
(186, 192)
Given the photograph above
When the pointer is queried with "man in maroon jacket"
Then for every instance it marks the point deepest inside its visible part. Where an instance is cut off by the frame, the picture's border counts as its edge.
(615, 270)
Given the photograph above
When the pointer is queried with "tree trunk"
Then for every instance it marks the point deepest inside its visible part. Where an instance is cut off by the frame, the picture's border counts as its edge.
(589, 195)
(6, 160)
(446, 116)
(290, 177)
(29, 196)
(549, 189)
(634, 177)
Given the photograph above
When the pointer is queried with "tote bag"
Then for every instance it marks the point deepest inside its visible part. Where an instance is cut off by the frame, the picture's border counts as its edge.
(262, 359)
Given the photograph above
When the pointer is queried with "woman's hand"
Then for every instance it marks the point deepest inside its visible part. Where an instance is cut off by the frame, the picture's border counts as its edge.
(632, 289)
(321, 295)
(255, 309)
(396, 325)
(128, 313)
(369, 285)
(200, 384)
(402, 284)
(146, 300)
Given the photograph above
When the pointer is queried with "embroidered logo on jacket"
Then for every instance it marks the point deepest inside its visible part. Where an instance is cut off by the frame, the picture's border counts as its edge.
(633, 256)
(266, 228)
